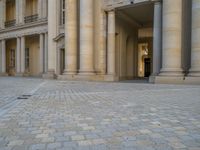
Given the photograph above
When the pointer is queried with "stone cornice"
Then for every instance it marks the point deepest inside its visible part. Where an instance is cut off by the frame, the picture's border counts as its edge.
(112, 4)
(23, 30)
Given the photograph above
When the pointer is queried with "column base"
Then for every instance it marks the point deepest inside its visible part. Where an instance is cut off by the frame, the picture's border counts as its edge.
(111, 78)
(192, 80)
(19, 74)
(67, 77)
(81, 77)
(152, 79)
(176, 72)
(71, 73)
(86, 73)
(169, 80)
(49, 75)
(84, 77)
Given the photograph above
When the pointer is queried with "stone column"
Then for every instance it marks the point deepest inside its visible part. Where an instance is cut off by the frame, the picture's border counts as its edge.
(172, 38)
(41, 53)
(45, 52)
(44, 9)
(18, 55)
(3, 57)
(195, 52)
(23, 55)
(86, 37)
(2, 13)
(40, 9)
(71, 37)
(111, 43)
(52, 33)
(157, 38)
(20, 11)
(100, 37)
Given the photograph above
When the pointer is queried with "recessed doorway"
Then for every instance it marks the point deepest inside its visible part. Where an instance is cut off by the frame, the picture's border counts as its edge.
(134, 41)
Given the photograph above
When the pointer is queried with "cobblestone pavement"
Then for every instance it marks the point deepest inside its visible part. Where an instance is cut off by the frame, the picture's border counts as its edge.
(58, 115)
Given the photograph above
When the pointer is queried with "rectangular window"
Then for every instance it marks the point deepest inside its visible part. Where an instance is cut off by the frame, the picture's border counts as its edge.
(27, 58)
(62, 19)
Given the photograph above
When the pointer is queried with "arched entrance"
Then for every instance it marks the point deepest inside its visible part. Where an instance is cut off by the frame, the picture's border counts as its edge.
(134, 41)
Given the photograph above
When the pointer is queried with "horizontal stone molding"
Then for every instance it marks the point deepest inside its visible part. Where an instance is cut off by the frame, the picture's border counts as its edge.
(112, 4)
(24, 30)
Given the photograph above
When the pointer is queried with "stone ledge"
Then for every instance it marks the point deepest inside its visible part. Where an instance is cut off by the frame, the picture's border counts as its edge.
(79, 77)
(82, 77)
(192, 80)
(111, 78)
(49, 76)
(169, 80)
(152, 79)
(3, 74)
(175, 80)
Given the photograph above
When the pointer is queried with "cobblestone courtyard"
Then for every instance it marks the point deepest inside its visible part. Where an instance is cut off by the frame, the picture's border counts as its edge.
(37, 114)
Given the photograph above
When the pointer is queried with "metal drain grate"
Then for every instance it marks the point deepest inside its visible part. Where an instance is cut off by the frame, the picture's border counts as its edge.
(24, 97)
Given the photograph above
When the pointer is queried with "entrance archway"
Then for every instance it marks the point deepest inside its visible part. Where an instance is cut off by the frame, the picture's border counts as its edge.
(134, 29)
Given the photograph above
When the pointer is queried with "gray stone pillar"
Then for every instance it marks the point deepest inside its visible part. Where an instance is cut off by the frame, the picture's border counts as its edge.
(20, 11)
(3, 57)
(2, 13)
(41, 53)
(40, 9)
(195, 52)
(172, 38)
(111, 43)
(44, 9)
(71, 37)
(23, 55)
(52, 33)
(157, 38)
(18, 55)
(102, 46)
(86, 37)
(45, 52)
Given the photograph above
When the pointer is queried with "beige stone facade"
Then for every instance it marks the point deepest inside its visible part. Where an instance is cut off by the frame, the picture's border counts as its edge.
(102, 40)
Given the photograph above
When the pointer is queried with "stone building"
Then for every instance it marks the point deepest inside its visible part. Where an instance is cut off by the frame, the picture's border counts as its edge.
(102, 40)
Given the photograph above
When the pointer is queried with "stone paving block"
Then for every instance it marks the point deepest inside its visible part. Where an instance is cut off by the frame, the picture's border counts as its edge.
(37, 147)
(97, 115)
(77, 137)
(54, 145)
(15, 143)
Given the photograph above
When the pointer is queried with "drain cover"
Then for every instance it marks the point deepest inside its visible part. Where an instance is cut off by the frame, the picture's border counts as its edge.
(24, 96)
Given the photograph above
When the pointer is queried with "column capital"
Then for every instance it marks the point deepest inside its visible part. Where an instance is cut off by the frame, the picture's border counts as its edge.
(157, 1)
(111, 11)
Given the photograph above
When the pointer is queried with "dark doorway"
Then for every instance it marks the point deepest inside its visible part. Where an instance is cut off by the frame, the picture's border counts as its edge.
(147, 67)
(62, 61)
